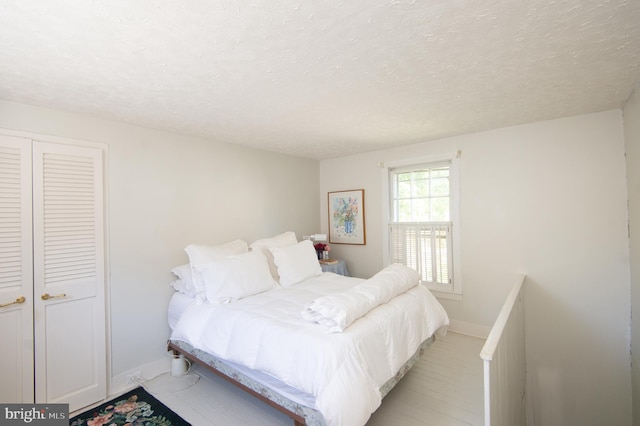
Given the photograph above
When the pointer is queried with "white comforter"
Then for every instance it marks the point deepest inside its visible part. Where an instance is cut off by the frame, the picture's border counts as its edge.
(338, 311)
(343, 371)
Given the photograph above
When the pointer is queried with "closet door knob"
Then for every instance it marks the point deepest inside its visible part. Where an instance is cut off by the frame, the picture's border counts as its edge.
(18, 301)
(47, 296)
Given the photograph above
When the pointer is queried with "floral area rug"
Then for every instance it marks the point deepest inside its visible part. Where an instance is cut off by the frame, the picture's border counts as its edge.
(136, 407)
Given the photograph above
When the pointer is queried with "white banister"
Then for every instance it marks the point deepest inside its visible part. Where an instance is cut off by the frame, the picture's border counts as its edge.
(505, 363)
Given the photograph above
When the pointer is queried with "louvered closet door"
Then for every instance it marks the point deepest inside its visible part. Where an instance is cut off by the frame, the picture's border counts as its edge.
(69, 276)
(16, 290)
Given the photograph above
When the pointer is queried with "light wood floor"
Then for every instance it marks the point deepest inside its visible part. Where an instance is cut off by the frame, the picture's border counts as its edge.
(443, 389)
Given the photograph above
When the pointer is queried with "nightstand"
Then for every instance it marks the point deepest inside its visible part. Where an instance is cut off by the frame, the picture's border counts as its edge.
(339, 267)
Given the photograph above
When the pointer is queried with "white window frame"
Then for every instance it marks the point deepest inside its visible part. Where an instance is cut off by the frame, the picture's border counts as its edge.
(455, 292)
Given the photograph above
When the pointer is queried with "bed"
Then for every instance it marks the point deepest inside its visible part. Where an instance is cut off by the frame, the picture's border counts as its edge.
(323, 348)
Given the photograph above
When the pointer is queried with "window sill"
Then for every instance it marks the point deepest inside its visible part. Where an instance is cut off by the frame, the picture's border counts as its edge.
(446, 295)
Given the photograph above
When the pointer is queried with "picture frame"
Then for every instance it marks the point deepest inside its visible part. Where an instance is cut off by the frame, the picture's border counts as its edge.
(346, 217)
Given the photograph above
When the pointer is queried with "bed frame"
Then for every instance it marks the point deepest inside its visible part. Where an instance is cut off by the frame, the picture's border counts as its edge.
(300, 414)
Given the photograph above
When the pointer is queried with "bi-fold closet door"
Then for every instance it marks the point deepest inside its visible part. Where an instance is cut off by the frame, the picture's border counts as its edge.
(52, 273)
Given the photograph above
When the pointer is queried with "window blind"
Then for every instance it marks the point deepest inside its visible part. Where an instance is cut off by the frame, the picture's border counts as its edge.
(425, 248)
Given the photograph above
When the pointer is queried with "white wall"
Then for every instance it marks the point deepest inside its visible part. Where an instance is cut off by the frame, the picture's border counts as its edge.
(166, 191)
(632, 141)
(547, 199)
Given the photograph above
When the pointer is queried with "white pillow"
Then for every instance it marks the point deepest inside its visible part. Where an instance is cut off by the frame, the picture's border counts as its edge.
(236, 277)
(282, 240)
(184, 283)
(200, 255)
(296, 263)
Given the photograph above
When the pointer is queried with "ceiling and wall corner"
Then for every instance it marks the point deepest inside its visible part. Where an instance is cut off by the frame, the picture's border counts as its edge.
(321, 79)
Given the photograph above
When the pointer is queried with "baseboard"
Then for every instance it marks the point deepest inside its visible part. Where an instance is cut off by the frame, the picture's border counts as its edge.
(469, 329)
(121, 382)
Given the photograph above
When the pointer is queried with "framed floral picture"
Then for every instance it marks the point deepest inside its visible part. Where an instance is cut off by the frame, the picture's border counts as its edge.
(346, 217)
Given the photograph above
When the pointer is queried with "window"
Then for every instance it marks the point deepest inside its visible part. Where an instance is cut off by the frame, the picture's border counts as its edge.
(422, 221)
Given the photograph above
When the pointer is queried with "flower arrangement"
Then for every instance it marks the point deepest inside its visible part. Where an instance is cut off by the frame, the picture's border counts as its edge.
(320, 249)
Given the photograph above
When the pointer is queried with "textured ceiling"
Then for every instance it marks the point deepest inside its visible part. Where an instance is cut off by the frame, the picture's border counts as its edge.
(321, 79)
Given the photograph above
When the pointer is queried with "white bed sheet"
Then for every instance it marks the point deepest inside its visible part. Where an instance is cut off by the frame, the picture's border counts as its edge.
(343, 371)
